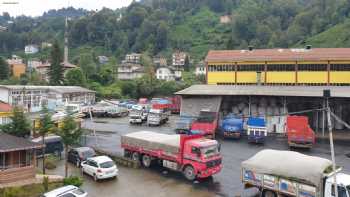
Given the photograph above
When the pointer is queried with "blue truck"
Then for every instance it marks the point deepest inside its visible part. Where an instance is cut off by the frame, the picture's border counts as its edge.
(184, 124)
(231, 126)
(256, 130)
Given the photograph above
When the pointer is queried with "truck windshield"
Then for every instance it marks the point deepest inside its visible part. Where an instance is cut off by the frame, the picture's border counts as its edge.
(210, 151)
(135, 112)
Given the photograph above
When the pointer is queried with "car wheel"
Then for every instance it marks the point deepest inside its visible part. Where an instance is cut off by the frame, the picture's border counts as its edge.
(78, 163)
(135, 156)
(146, 161)
(95, 178)
(268, 193)
(189, 173)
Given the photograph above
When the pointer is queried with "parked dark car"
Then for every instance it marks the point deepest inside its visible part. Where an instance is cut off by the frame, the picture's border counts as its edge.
(53, 145)
(78, 155)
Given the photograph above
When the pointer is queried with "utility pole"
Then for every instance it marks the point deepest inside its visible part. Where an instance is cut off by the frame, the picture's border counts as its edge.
(327, 95)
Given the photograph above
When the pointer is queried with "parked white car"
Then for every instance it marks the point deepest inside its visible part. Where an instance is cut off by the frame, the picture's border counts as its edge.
(100, 167)
(66, 191)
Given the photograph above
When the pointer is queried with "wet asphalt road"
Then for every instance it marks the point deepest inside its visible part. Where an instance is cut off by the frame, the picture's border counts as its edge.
(158, 183)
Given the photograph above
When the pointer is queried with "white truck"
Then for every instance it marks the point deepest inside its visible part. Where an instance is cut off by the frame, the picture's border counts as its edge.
(157, 117)
(287, 173)
(137, 115)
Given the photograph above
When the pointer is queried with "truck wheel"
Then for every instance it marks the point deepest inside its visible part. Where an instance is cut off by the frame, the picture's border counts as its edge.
(268, 193)
(146, 161)
(189, 173)
(135, 156)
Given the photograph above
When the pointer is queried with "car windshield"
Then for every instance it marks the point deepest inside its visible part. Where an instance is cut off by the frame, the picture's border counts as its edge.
(107, 164)
(348, 188)
(210, 151)
(87, 154)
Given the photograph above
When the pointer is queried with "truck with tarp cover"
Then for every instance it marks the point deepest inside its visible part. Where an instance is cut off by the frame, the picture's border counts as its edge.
(194, 156)
(288, 173)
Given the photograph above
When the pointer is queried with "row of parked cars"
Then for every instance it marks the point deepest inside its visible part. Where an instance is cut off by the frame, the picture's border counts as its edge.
(98, 167)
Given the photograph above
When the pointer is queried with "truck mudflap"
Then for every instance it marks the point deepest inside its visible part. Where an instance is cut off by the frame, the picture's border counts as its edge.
(209, 171)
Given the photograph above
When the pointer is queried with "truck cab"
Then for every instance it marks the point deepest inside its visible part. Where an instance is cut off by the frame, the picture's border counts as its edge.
(201, 158)
(207, 122)
(231, 126)
(157, 117)
(299, 132)
(343, 182)
(257, 130)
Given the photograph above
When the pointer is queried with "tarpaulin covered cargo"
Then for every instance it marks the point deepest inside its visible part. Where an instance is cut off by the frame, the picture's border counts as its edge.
(152, 141)
(288, 164)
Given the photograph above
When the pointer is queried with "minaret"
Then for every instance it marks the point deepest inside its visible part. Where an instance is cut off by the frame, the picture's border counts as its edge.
(65, 60)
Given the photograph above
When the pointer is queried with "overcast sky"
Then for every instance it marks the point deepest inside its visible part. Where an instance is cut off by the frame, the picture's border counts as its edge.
(38, 7)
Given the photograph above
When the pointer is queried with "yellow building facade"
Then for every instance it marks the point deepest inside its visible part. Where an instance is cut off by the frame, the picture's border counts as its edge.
(269, 67)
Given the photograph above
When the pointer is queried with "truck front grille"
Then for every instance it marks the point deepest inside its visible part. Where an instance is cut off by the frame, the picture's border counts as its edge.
(213, 163)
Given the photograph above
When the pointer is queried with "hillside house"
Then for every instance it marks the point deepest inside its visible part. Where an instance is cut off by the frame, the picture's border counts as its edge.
(132, 58)
(200, 69)
(17, 67)
(5, 113)
(179, 59)
(129, 71)
(31, 49)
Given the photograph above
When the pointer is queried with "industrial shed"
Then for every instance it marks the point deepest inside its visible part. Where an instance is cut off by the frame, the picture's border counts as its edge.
(271, 102)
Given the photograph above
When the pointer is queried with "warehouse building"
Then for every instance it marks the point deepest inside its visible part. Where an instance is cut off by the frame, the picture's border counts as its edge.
(273, 82)
(33, 98)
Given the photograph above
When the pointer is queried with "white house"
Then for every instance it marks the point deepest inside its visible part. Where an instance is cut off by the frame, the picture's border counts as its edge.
(179, 59)
(129, 71)
(31, 49)
(200, 69)
(168, 73)
(165, 73)
(32, 98)
(132, 58)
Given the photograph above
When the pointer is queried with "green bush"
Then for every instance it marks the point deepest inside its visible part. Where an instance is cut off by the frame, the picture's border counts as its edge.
(73, 180)
(50, 162)
(46, 183)
(12, 192)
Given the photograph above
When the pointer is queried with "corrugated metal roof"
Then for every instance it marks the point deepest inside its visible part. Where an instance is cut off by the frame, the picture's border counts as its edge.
(11, 143)
(314, 54)
(301, 91)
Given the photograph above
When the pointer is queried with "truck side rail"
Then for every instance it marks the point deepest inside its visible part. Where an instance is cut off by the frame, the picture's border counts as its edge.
(154, 153)
(280, 185)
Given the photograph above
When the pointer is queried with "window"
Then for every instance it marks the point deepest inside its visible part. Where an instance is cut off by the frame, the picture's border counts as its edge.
(93, 164)
(281, 67)
(2, 157)
(195, 150)
(341, 191)
(251, 67)
(340, 67)
(312, 67)
(67, 195)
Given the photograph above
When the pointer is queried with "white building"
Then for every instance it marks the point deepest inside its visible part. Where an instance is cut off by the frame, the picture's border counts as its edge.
(200, 69)
(132, 58)
(15, 60)
(33, 98)
(168, 73)
(31, 49)
(103, 59)
(129, 71)
(165, 73)
(179, 59)
(33, 63)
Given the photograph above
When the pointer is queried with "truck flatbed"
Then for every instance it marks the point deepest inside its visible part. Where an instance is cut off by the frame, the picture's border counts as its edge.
(152, 141)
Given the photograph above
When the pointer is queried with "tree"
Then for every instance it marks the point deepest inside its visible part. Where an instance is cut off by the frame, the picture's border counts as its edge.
(87, 63)
(19, 125)
(187, 64)
(5, 71)
(56, 69)
(75, 77)
(70, 134)
(162, 37)
(46, 125)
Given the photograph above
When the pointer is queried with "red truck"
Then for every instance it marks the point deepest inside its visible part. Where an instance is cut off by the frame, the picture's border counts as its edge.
(175, 104)
(194, 156)
(206, 123)
(299, 132)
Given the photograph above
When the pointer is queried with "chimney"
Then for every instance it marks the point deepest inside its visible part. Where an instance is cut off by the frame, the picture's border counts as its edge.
(308, 47)
(250, 48)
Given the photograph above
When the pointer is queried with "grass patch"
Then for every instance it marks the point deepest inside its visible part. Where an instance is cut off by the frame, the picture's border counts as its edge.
(34, 190)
